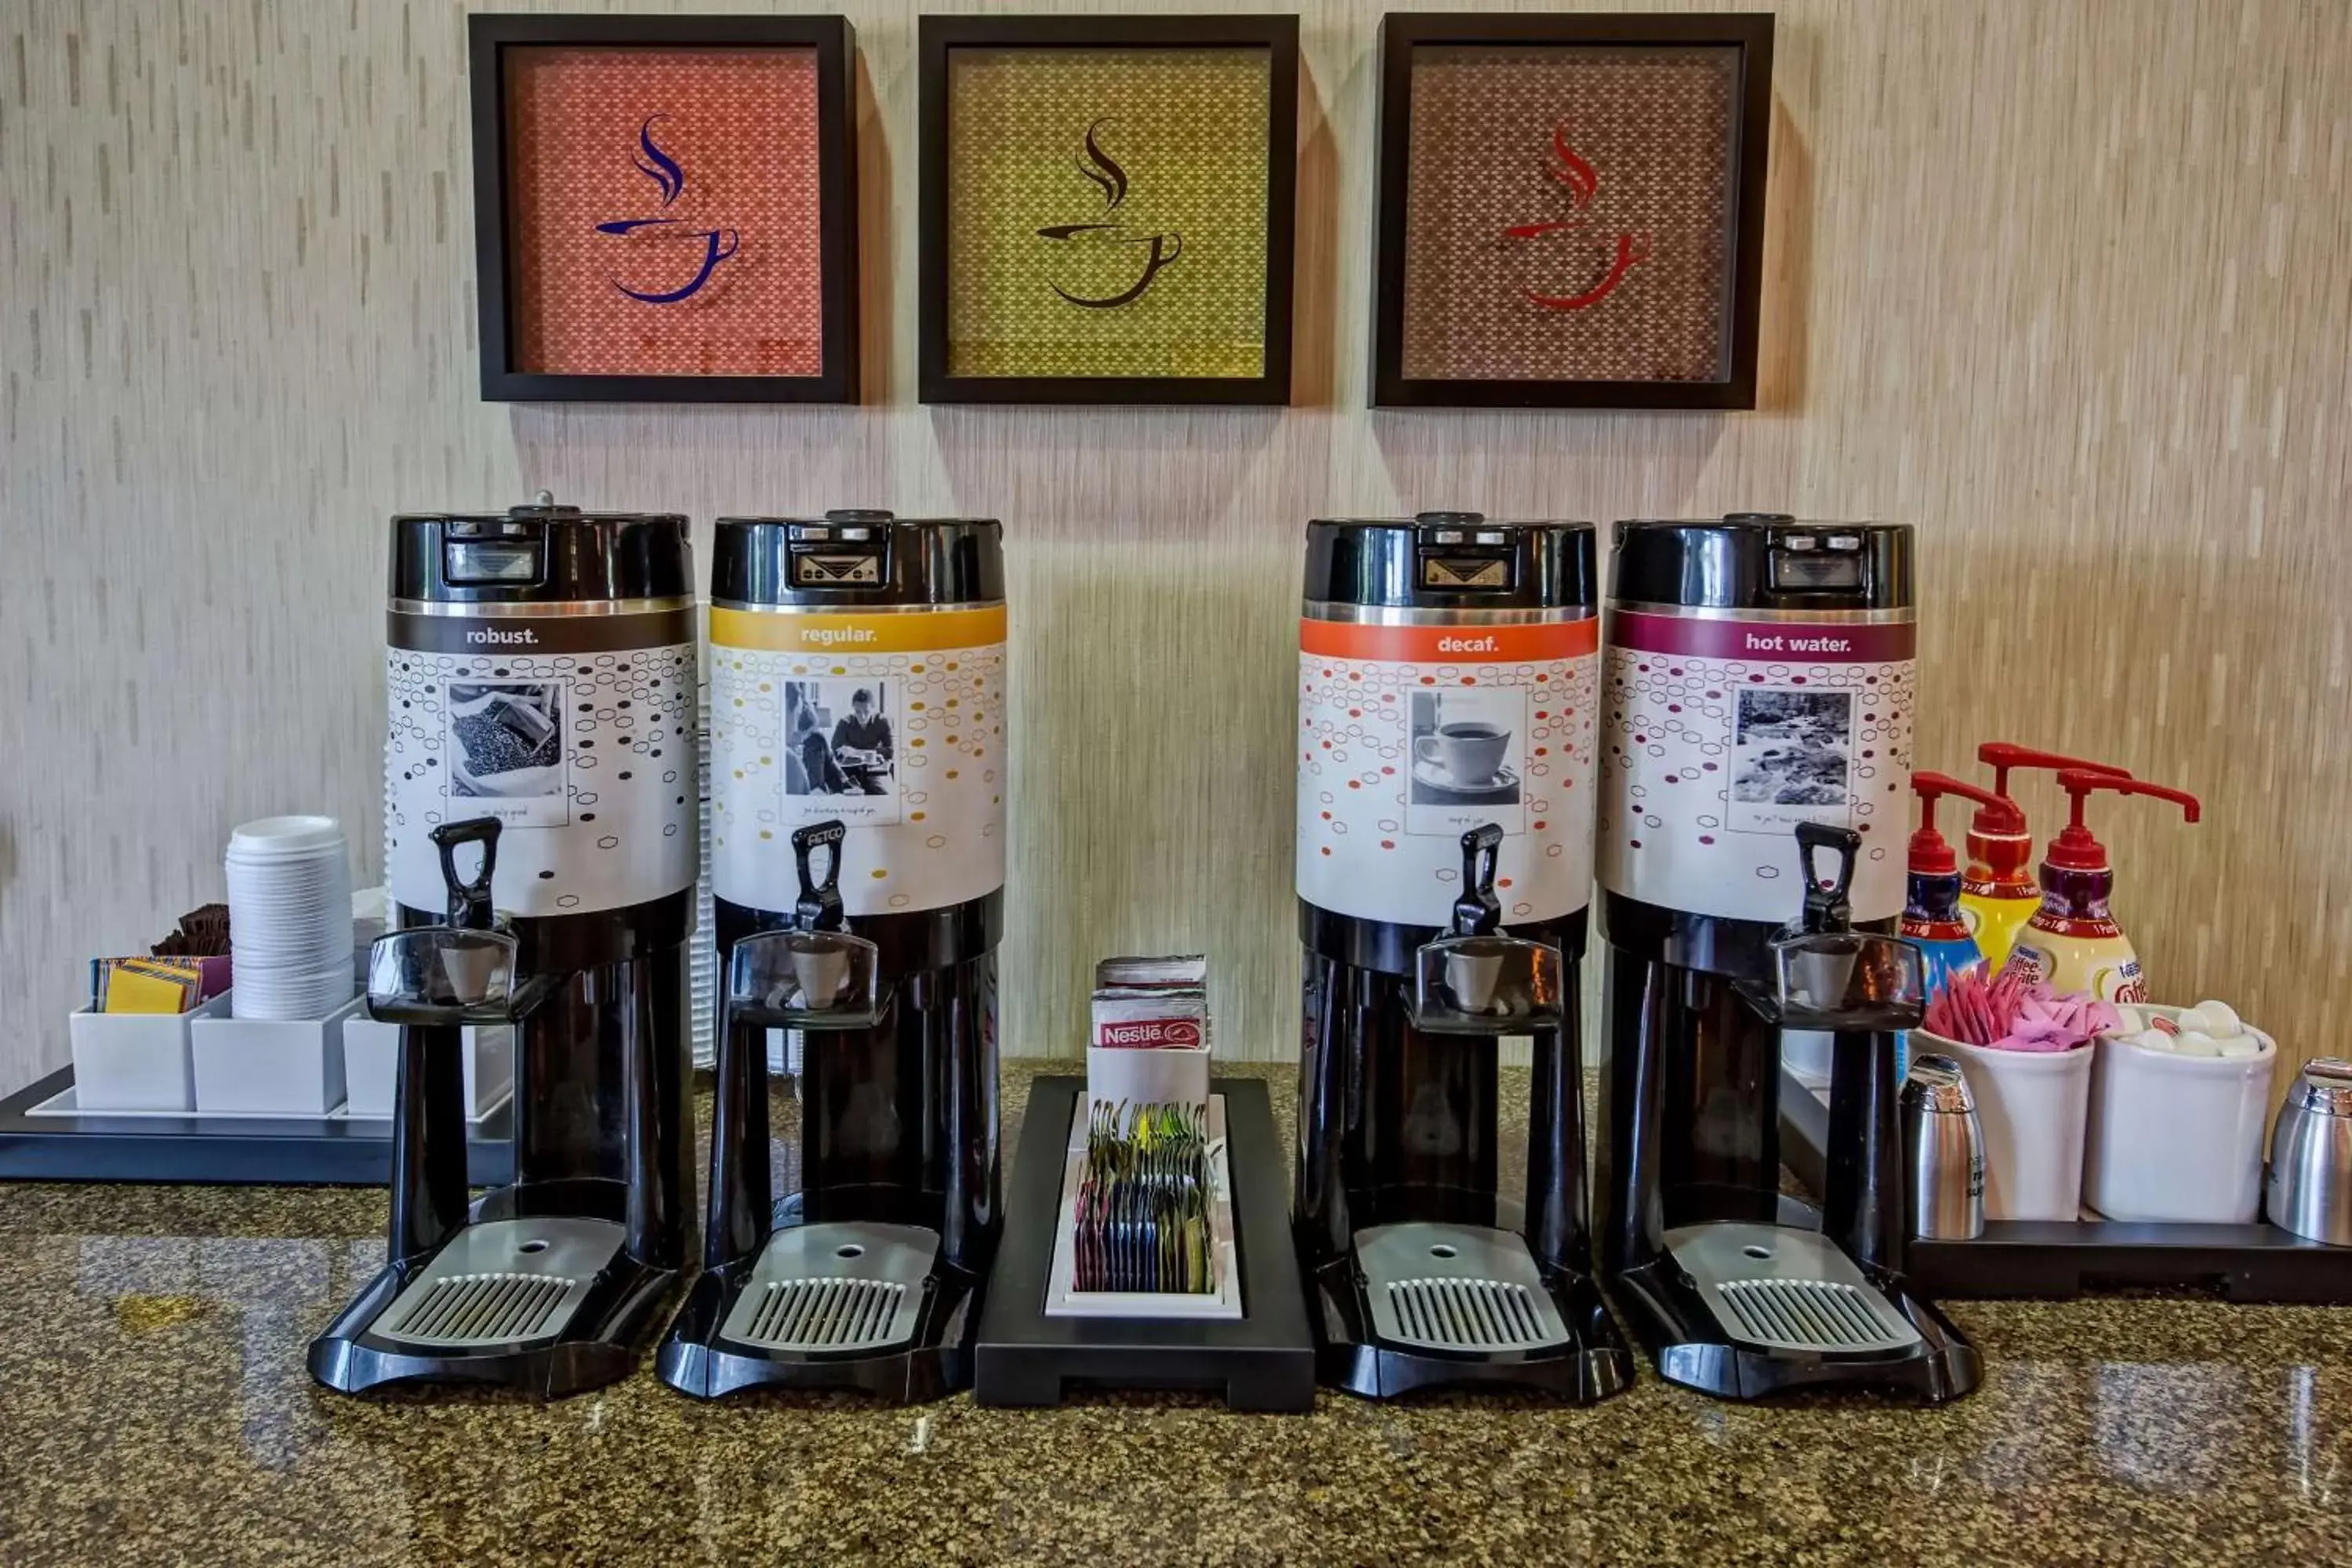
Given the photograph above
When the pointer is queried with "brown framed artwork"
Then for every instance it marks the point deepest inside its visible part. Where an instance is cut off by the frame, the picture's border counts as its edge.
(1106, 208)
(666, 208)
(1570, 210)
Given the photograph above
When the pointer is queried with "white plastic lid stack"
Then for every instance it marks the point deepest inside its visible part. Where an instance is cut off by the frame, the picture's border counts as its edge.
(289, 905)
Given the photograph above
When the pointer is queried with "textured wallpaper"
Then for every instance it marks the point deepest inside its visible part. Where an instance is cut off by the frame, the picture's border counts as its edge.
(2064, 284)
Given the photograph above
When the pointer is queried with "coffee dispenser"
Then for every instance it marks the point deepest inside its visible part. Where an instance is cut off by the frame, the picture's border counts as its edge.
(1448, 681)
(542, 674)
(1759, 693)
(857, 860)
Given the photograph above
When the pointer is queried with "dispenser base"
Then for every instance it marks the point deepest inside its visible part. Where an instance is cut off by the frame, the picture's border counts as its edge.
(1264, 1360)
(865, 1306)
(1748, 1310)
(1420, 1306)
(548, 1304)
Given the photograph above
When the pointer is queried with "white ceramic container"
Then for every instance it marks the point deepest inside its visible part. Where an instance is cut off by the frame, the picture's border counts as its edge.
(270, 1067)
(2178, 1138)
(371, 1067)
(2034, 1106)
(137, 1062)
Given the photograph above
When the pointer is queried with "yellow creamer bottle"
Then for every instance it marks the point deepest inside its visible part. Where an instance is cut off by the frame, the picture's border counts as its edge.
(1998, 892)
(2074, 943)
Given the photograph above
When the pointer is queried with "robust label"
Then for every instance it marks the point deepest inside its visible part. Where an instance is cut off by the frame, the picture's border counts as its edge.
(1410, 736)
(889, 722)
(1720, 736)
(575, 731)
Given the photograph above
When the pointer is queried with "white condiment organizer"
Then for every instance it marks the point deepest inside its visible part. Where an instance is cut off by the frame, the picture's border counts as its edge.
(270, 1067)
(138, 1061)
(1063, 1300)
(371, 1067)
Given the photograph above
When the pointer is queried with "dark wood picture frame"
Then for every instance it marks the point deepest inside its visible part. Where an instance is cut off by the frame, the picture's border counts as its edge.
(489, 35)
(940, 35)
(1402, 33)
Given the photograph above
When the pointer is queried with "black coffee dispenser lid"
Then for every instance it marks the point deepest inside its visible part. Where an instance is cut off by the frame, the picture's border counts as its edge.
(1450, 560)
(539, 553)
(1762, 560)
(849, 559)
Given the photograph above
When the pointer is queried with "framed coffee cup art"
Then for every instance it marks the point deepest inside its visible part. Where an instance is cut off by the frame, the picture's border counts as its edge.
(1570, 210)
(666, 208)
(1106, 208)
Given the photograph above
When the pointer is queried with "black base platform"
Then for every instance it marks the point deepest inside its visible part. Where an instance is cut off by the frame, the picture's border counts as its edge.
(1595, 1364)
(696, 1360)
(242, 1150)
(1687, 1347)
(597, 1348)
(2061, 1259)
(1263, 1361)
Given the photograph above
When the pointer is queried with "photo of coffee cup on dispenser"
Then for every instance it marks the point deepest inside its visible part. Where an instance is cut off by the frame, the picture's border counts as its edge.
(1466, 751)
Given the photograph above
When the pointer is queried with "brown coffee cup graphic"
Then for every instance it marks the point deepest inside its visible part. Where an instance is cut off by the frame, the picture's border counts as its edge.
(1470, 754)
(1101, 264)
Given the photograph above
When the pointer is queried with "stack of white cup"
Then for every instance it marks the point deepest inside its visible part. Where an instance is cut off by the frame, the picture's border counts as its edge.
(289, 917)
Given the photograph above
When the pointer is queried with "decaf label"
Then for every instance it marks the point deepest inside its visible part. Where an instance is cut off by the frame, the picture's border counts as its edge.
(890, 722)
(1410, 736)
(577, 735)
(1720, 736)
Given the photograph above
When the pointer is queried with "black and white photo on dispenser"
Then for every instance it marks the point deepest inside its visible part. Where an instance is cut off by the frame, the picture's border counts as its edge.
(1792, 758)
(841, 750)
(1468, 752)
(507, 751)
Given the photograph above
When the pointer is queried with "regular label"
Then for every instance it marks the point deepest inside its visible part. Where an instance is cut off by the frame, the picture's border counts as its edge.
(1720, 736)
(889, 722)
(1410, 736)
(576, 732)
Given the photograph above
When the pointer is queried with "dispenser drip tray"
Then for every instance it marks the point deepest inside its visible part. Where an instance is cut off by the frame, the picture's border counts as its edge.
(1778, 1288)
(836, 1287)
(502, 1283)
(1465, 1288)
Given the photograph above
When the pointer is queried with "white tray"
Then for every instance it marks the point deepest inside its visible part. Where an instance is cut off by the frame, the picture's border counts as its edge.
(1225, 1301)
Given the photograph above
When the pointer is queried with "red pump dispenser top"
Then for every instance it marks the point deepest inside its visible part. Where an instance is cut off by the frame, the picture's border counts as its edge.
(1931, 854)
(2074, 849)
(1999, 850)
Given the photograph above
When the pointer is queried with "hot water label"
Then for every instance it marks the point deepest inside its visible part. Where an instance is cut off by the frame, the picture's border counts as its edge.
(576, 732)
(1410, 736)
(891, 722)
(1719, 736)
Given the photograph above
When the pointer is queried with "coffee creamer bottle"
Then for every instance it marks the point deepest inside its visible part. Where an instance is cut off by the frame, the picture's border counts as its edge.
(2073, 942)
(1997, 894)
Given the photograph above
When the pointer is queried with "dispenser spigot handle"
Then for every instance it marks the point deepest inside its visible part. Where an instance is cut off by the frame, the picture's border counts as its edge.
(469, 902)
(2002, 756)
(1477, 912)
(1827, 907)
(820, 902)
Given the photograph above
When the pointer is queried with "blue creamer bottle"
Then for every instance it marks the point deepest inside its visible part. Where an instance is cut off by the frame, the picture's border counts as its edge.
(1931, 908)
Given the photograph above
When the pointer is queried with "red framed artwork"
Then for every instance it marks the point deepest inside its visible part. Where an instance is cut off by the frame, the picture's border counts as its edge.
(666, 208)
(1570, 210)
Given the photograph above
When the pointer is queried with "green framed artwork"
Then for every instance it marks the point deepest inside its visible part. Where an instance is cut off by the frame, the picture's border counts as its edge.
(1106, 208)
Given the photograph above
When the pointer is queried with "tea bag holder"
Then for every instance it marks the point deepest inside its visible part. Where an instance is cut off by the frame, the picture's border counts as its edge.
(1474, 979)
(813, 974)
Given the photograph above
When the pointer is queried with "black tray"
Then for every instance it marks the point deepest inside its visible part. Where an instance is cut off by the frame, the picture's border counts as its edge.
(2058, 1260)
(247, 1151)
(1264, 1360)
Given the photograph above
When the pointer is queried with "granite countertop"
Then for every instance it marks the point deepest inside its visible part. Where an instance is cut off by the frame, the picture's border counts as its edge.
(153, 1405)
